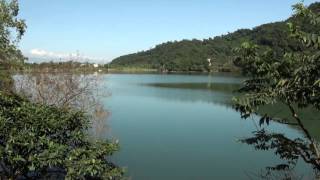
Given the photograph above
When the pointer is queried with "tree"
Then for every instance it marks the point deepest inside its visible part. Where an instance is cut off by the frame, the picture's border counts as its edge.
(293, 80)
(11, 30)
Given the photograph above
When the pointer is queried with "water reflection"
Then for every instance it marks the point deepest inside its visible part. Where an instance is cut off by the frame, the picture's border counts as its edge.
(222, 93)
(216, 87)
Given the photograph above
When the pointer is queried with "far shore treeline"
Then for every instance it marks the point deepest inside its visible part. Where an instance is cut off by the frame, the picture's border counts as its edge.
(52, 66)
(214, 54)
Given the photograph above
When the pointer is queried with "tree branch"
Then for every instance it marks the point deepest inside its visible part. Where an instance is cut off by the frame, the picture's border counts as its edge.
(306, 132)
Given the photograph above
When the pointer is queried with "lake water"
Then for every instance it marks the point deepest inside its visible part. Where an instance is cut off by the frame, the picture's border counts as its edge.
(183, 127)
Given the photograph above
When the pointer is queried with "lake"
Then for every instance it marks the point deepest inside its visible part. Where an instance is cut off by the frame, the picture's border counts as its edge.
(183, 127)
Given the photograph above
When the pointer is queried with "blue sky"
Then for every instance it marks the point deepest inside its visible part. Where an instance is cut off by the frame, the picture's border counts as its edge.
(104, 29)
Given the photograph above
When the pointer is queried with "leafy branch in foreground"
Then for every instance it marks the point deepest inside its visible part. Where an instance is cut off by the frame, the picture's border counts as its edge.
(292, 80)
(40, 141)
(11, 30)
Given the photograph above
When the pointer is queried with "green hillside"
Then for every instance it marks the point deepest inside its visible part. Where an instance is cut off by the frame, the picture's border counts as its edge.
(193, 55)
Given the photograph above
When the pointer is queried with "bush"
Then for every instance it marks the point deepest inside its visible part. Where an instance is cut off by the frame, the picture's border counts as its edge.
(40, 141)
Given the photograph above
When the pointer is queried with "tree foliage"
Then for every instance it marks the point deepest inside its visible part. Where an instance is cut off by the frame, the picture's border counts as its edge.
(292, 79)
(39, 141)
(11, 30)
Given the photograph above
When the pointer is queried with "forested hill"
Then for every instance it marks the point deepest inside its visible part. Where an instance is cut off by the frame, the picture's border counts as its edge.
(193, 55)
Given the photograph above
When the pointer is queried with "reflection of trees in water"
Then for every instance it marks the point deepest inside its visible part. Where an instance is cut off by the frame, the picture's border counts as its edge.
(281, 112)
(218, 93)
(68, 90)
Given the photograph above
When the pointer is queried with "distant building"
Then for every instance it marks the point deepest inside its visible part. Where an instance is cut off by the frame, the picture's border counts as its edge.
(209, 61)
(95, 65)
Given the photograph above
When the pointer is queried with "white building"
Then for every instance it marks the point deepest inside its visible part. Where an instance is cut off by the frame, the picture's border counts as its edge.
(209, 61)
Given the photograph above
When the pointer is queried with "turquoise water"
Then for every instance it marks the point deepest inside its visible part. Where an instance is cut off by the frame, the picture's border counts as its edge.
(177, 131)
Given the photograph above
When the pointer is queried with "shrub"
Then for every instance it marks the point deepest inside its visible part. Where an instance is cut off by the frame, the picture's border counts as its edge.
(40, 141)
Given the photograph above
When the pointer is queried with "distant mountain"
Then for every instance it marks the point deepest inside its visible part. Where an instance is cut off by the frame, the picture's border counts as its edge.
(194, 55)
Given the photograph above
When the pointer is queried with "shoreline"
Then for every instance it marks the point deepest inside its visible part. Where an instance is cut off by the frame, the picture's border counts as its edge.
(156, 71)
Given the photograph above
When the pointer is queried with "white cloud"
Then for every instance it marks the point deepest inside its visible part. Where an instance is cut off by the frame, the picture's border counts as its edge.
(45, 55)
(38, 52)
(48, 54)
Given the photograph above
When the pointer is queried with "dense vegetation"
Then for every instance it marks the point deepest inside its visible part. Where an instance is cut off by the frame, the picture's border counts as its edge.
(193, 55)
(292, 80)
(40, 141)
